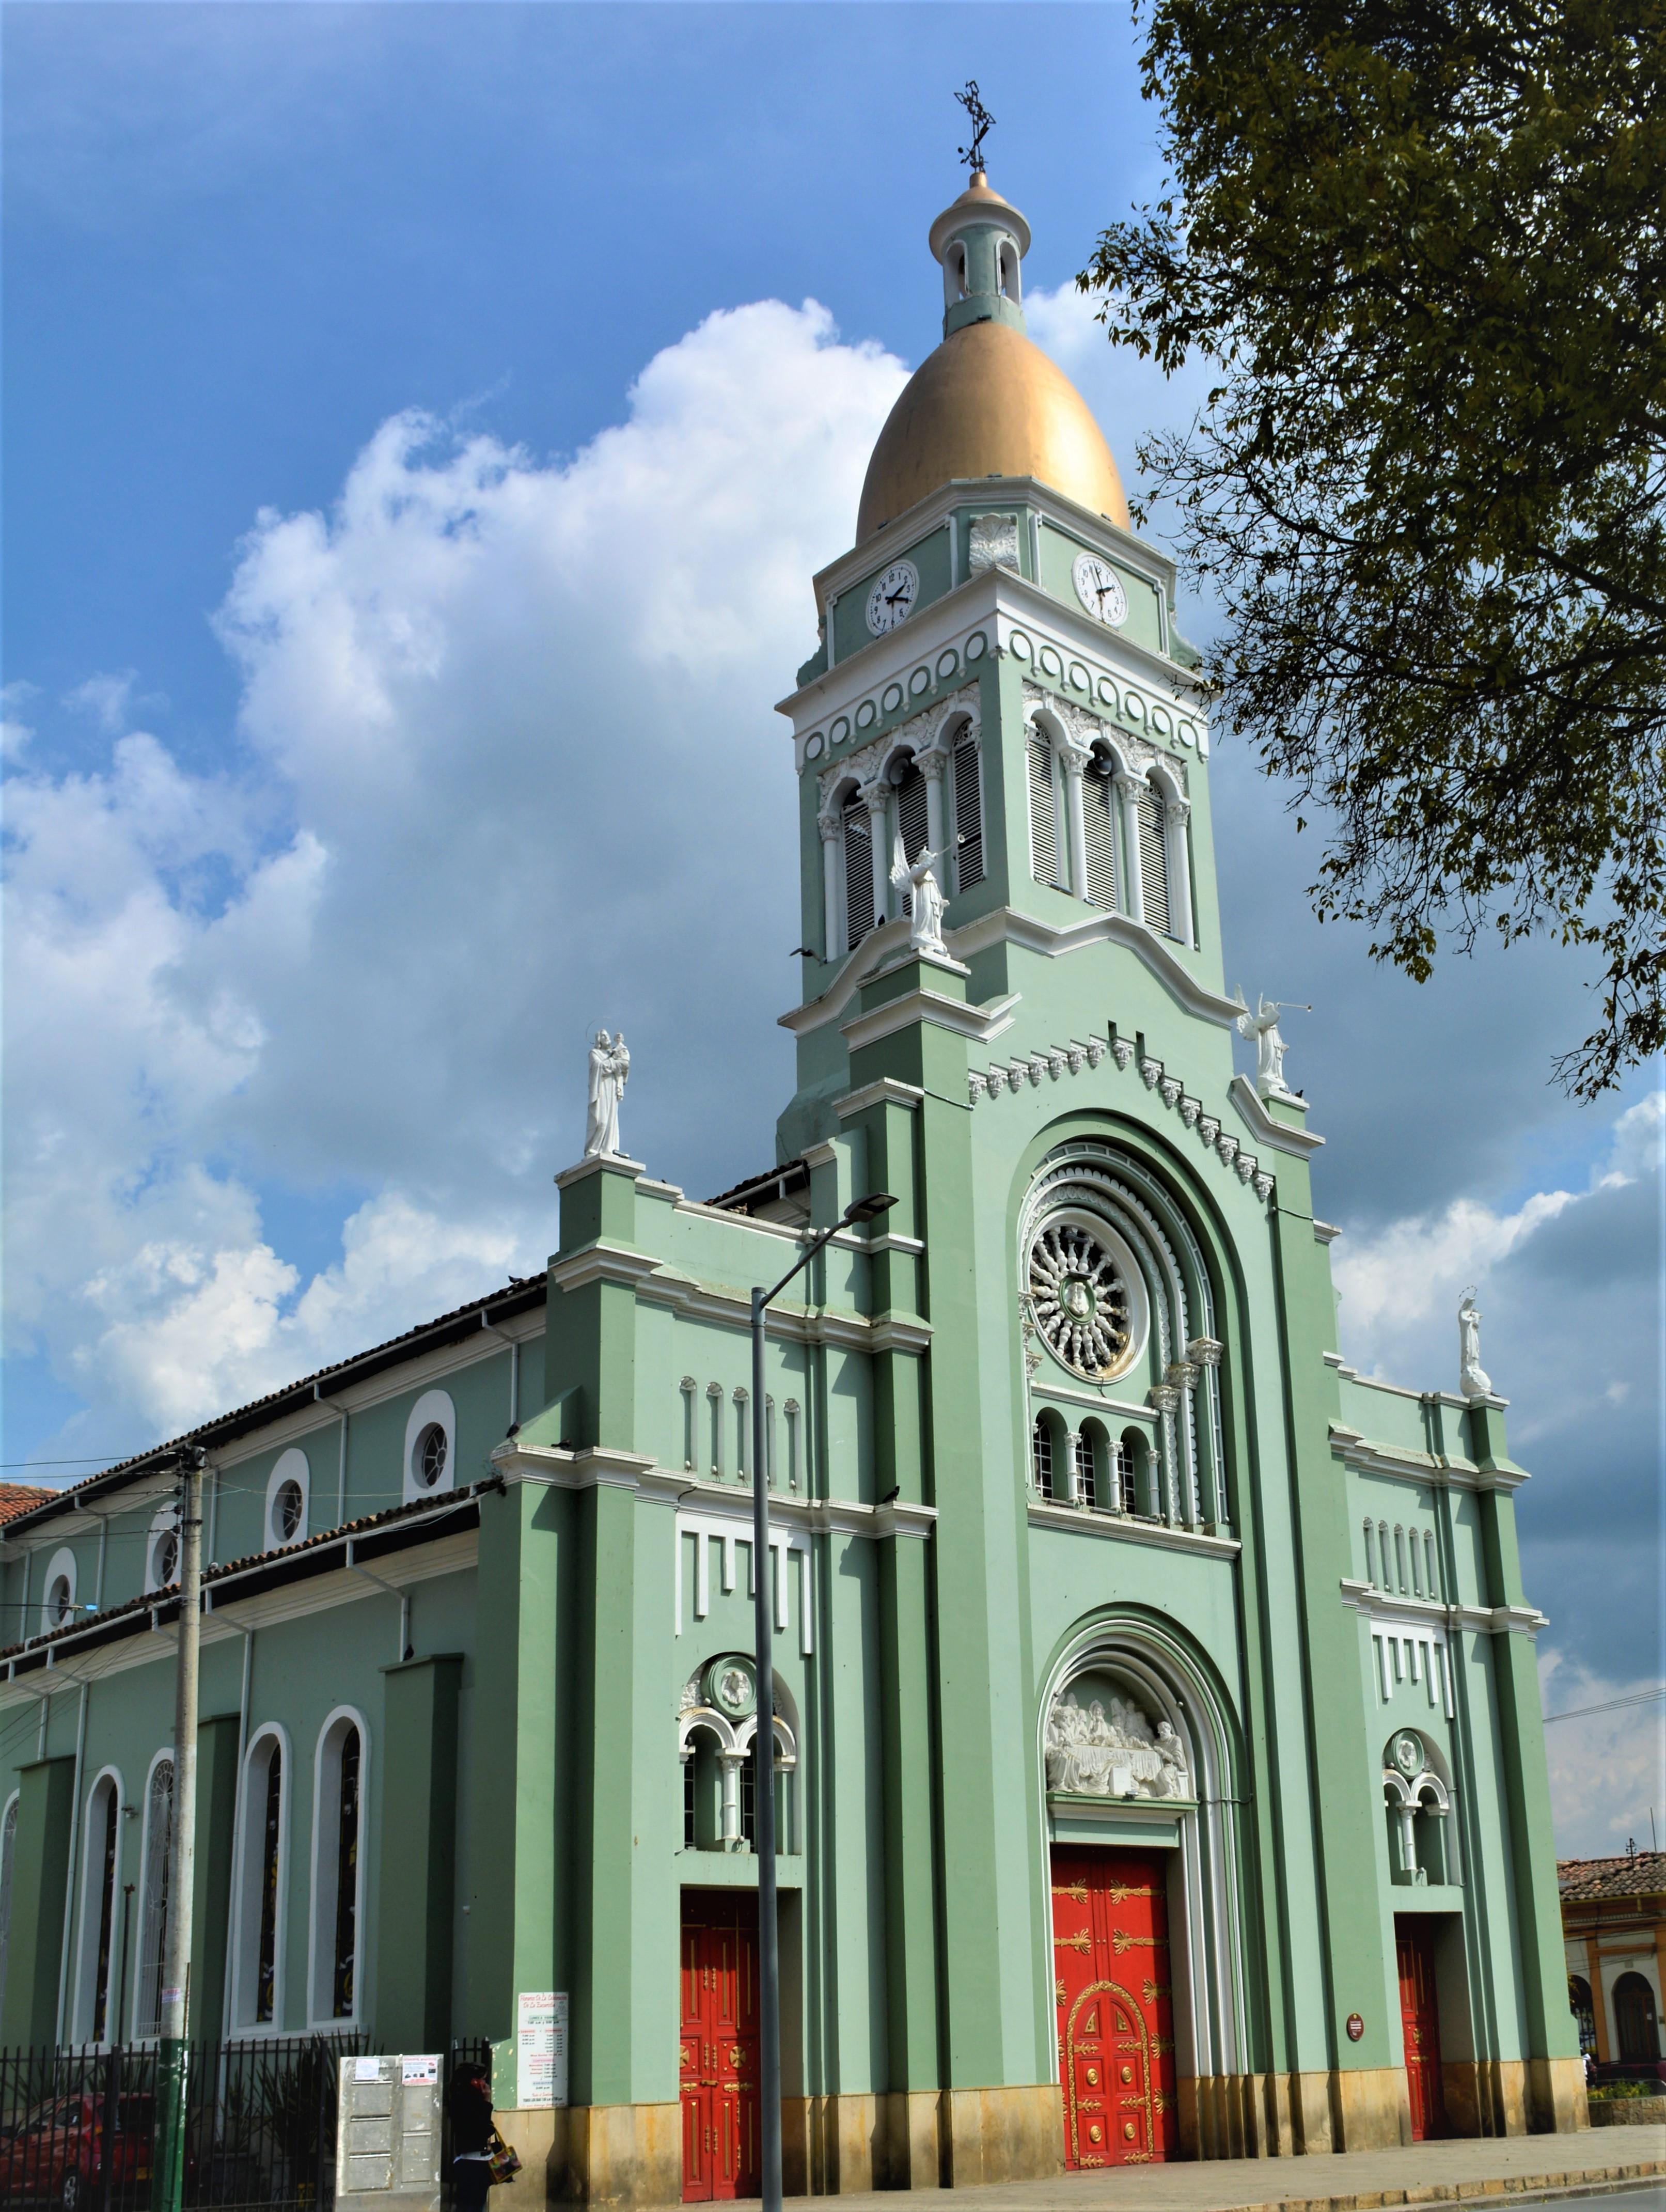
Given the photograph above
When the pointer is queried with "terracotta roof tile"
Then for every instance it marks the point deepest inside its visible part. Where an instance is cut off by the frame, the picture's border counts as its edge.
(19, 1497)
(1640, 1874)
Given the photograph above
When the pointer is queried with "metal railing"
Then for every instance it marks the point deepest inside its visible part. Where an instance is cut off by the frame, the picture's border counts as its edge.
(77, 2125)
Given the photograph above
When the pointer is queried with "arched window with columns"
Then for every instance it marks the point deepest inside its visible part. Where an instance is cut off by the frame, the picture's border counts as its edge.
(856, 855)
(1046, 854)
(968, 838)
(1099, 826)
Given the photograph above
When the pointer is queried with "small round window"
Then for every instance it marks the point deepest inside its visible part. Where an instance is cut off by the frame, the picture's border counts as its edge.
(288, 1510)
(60, 1601)
(165, 1559)
(427, 1457)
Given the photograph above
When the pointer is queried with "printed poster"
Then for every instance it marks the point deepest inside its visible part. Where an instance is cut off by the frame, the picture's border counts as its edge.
(541, 2048)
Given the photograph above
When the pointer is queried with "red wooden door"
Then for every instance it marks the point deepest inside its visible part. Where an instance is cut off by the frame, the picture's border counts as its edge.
(718, 2036)
(1110, 1951)
(1419, 2022)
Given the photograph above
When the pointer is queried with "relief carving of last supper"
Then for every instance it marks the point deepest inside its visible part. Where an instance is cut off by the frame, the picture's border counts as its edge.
(1108, 1747)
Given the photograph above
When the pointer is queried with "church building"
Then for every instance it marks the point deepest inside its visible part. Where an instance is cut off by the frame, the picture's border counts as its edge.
(1159, 1763)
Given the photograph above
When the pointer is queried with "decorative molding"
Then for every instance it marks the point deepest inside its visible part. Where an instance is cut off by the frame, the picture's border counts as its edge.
(1087, 1520)
(1104, 925)
(605, 1262)
(1401, 1462)
(887, 1091)
(598, 1164)
(979, 1025)
(1275, 1135)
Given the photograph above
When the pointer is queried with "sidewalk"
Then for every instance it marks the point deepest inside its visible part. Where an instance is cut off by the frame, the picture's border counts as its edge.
(1473, 2168)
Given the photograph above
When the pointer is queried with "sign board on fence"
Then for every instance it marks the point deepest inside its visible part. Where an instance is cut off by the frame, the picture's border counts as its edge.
(387, 2134)
(541, 2048)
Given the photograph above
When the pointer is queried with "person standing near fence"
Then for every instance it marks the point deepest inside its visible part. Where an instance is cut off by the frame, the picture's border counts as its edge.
(471, 2133)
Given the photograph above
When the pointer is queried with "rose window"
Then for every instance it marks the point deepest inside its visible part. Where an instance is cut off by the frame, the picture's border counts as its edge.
(1080, 1299)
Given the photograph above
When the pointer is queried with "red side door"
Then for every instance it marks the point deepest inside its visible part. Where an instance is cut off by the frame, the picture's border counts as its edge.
(718, 2059)
(1116, 2009)
(1419, 2022)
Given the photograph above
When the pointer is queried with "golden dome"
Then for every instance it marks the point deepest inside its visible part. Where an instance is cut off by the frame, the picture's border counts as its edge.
(988, 402)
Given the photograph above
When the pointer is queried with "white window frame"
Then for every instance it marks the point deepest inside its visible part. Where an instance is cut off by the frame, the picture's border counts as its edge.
(165, 1521)
(148, 1842)
(245, 1893)
(291, 1466)
(63, 1562)
(433, 1409)
(327, 1813)
(92, 1854)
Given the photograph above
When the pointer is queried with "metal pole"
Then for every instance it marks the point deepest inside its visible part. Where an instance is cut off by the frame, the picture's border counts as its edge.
(172, 2053)
(763, 1788)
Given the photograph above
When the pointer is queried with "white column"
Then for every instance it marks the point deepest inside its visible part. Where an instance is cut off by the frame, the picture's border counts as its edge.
(829, 824)
(1408, 1839)
(1176, 840)
(1128, 788)
(931, 765)
(1075, 759)
(731, 1762)
(876, 798)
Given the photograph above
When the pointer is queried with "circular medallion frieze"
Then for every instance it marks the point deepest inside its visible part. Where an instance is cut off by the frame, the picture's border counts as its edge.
(731, 1687)
(1407, 1752)
(1079, 1295)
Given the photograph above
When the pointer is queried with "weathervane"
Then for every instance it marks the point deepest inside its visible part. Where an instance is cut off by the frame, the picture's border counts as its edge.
(982, 122)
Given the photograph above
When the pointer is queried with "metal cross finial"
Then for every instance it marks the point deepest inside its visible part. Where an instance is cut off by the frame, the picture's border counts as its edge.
(982, 122)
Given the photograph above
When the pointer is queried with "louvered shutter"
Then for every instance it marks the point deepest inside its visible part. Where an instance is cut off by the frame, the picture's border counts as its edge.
(857, 874)
(1153, 862)
(1043, 833)
(911, 820)
(1100, 822)
(967, 815)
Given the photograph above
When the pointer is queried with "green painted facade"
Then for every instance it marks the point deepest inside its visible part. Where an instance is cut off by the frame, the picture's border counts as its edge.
(1292, 1567)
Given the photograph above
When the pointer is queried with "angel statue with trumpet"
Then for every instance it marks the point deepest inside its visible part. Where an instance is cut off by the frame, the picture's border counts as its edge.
(1263, 1026)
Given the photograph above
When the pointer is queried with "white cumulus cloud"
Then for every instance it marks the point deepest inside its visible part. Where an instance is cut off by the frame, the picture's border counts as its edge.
(506, 765)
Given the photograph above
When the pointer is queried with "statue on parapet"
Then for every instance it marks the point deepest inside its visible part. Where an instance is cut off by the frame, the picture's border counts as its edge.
(917, 880)
(609, 1069)
(1473, 1379)
(1262, 1028)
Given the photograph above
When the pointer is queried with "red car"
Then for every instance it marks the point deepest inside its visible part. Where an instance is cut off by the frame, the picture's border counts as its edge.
(55, 2153)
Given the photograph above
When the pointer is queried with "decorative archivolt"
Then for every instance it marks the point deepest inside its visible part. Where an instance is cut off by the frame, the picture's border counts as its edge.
(720, 1699)
(1080, 729)
(921, 733)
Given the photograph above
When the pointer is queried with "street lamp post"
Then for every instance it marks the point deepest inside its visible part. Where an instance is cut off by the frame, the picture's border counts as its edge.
(763, 1746)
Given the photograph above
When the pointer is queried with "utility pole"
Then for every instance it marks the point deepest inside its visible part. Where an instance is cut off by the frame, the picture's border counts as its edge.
(172, 2056)
(764, 1743)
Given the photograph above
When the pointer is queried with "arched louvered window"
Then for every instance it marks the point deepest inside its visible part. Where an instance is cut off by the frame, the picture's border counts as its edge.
(857, 872)
(1100, 822)
(910, 815)
(153, 1923)
(968, 812)
(1044, 810)
(1153, 862)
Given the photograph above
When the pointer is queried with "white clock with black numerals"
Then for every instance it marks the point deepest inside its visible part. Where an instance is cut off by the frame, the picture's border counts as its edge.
(1099, 588)
(892, 600)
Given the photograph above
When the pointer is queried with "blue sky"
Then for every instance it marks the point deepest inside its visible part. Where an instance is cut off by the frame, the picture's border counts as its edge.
(410, 496)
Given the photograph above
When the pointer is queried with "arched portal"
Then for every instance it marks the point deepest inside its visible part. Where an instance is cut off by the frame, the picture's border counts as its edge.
(1135, 1747)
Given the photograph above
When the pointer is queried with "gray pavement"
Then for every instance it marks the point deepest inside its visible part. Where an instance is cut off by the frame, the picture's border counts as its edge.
(1618, 2163)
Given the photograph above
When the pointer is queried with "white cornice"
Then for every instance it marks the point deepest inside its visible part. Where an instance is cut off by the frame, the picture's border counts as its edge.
(1078, 1520)
(603, 1262)
(1403, 1463)
(1277, 1136)
(1120, 1407)
(551, 1468)
(979, 1025)
(887, 1091)
(1410, 1614)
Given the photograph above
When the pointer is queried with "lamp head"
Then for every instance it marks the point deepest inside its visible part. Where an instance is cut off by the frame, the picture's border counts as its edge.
(869, 1208)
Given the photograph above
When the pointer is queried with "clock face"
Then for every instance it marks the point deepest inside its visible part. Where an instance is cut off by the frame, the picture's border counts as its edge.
(1099, 588)
(892, 600)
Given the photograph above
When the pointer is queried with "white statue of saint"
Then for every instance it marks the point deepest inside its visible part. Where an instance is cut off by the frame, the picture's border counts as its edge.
(924, 897)
(610, 1067)
(1263, 1026)
(1473, 1378)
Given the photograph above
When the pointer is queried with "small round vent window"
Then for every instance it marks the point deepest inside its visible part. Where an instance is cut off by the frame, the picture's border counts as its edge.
(1080, 1297)
(165, 1559)
(60, 1601)
(288, 1510)
(428, 1458)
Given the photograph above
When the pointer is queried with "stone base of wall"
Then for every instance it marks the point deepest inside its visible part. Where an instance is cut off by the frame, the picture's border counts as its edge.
(1628, 2112)
(921, 2139)
(621, 2157)
(1367, 2108)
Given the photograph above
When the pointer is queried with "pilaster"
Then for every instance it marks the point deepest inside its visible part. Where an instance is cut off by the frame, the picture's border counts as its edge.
(40, 1892)
(418, 1862)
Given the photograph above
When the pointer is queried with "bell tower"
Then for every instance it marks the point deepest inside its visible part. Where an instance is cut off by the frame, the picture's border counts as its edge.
(999, 683)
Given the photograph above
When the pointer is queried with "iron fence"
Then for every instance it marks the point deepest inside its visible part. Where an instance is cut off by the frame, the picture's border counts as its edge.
(78, 2125)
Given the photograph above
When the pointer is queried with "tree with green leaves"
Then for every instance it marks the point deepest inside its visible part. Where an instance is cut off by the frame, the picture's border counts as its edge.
(1420, 241)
